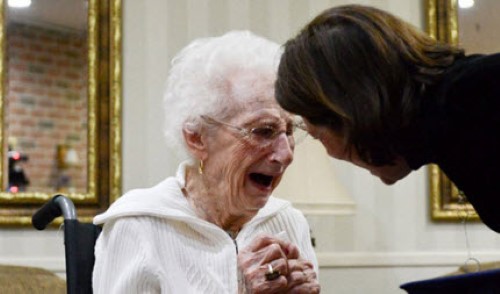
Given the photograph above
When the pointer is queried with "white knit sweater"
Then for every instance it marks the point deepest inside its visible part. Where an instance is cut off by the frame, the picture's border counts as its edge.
(152, 242)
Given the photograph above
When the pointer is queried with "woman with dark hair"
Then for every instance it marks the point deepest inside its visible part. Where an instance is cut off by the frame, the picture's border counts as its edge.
(385, 96)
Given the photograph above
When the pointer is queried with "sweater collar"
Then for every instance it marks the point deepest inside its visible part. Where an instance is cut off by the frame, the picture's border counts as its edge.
(166, 200)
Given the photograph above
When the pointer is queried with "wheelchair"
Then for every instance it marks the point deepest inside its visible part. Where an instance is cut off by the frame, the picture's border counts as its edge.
(79, 242)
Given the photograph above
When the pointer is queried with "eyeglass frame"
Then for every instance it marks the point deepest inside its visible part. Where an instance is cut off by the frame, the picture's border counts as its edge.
(249, 132)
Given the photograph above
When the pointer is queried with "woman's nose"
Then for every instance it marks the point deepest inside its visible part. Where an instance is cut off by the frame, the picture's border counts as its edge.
(282, 149)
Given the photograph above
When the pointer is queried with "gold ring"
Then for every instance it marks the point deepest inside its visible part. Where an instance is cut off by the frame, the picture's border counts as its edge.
(271, 274)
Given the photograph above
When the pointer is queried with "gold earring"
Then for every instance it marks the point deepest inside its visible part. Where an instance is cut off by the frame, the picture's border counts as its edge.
(200, 167)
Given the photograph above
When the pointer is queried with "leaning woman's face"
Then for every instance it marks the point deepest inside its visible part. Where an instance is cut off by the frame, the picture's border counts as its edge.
(335, 147)
(244, 170)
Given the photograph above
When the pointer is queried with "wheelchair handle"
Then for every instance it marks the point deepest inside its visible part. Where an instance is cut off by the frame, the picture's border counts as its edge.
(55, 207)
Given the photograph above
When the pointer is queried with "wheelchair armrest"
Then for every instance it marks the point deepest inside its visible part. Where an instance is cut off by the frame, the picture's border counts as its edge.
(55, 207)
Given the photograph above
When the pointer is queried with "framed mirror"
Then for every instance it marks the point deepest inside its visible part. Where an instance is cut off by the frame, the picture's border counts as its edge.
(473, 26)
(60, 105)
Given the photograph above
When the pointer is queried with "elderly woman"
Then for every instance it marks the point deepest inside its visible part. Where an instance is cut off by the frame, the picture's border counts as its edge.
(214, 227)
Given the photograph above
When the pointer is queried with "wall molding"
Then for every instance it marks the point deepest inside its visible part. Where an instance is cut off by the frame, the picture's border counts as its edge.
(325, 259)
(316, 208)
(400, 259)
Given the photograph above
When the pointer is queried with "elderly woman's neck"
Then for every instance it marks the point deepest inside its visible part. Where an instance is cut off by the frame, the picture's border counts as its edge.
(211, 205)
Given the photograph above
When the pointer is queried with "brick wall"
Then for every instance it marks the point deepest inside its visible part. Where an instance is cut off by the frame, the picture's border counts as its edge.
(47, 101)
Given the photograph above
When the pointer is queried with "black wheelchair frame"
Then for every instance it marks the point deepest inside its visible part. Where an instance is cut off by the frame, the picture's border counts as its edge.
(79, 242)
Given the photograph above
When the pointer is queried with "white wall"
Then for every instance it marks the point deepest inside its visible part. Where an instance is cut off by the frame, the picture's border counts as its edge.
(389, 240)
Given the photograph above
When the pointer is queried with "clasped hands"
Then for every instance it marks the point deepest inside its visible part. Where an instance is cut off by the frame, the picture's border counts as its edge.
(271, 265)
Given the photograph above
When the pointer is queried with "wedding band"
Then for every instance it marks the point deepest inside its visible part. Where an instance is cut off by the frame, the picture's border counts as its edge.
(271, 274)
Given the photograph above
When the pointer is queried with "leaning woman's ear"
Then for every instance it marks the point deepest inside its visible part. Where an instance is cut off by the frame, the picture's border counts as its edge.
(195, 141)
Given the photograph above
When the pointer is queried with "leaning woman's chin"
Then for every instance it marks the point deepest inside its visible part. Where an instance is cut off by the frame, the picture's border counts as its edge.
(388, 181)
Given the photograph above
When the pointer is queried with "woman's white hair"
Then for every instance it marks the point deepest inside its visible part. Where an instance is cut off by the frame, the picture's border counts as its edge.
(198, 80)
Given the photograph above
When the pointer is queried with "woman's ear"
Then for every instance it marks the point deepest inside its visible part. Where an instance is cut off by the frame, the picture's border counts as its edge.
(195, 142)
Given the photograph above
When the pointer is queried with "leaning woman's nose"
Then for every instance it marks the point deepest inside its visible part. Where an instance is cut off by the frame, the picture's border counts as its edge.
(282, 150)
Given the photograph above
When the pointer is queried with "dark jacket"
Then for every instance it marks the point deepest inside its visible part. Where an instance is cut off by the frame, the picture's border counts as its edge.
(459, 130)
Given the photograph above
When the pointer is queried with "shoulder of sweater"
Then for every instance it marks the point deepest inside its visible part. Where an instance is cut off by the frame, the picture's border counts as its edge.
(164, 199)
(468, 81)
(473, 69)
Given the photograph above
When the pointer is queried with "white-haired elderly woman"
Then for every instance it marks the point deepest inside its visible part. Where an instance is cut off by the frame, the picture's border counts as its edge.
(214, 227)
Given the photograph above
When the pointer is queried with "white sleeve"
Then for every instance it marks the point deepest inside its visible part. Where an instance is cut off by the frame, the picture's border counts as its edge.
(122, 260)
(300, 235)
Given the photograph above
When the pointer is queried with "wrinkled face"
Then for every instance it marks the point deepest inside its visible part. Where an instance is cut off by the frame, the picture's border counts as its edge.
(240, 170)
(335, 147)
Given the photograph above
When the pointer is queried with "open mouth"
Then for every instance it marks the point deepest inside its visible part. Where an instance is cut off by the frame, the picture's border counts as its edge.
(262, 179)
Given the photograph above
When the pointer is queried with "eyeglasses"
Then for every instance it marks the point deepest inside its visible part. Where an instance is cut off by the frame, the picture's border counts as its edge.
(265, 135)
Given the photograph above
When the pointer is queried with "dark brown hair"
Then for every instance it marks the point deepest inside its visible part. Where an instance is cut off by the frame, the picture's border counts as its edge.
(360, 71)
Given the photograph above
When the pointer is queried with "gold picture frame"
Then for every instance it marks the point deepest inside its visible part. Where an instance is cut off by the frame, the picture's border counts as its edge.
(103, 127)
(446, 201)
